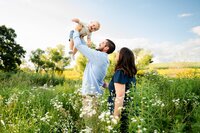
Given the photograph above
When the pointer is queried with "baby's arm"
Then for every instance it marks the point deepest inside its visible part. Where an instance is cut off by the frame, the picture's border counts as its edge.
(76, 20)
(89, 43)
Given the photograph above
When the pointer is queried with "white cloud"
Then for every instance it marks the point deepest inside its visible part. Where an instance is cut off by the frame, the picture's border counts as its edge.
(183, 15)
(196, 30)
(163, 51)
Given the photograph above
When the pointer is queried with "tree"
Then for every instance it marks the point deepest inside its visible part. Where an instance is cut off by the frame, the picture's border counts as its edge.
(56, 60)
(111, 68)
(50, 60)
(36, 59)
(81, 62)
(11, 53)
(143, 57)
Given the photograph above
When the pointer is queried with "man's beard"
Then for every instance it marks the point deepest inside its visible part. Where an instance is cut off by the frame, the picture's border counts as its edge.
(99, 49)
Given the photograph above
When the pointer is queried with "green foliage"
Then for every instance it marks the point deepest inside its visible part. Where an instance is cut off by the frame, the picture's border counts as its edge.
(158, 104)
(10, 52)
(165, 105)
(36, 59)
(51, 60)
(30, 79)
(38, 79)
(143, 57)
(111, 68)
(81, 62)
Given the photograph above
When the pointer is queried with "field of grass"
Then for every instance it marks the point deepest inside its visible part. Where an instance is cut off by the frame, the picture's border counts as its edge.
(174, 65)
(41, 103)
(173, 69)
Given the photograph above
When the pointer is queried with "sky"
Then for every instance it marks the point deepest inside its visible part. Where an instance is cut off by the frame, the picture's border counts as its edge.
(169, 29)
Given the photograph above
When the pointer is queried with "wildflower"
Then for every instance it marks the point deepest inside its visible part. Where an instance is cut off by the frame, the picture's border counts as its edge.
(57, 105)
(46, 118)
(45, 86)
(87, 130)
(176, 101)
(133, 120)
(12, 99)
(109, 128)
(2, 122)
(155, 131)
(139, 131)
(143, 98)
(51, 86)
(139, 126)
(141, 119)
(88, 108)
(144, 129)
(114, 121)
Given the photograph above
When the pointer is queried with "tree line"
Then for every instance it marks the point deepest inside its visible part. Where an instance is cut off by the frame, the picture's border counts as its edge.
(52, 59)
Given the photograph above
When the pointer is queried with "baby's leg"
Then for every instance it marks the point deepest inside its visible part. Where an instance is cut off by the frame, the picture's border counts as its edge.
(74, 51)
(71, 44)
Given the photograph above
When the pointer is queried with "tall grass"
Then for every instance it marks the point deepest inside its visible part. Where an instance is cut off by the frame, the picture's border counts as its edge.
(41, 103)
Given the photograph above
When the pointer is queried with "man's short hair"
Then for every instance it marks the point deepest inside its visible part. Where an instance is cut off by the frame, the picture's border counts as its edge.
(111, 46)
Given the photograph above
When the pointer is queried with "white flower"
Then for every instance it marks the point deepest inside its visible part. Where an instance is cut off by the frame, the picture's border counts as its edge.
(2, 122)
(110, 128)
(46, 118)
(133, 120)
(87, 130)
(155, 131)
(144, 129)
(114, 121)
(12, 99)
(139, 131)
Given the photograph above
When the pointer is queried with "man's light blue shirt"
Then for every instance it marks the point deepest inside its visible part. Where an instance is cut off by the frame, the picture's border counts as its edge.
(96, 67)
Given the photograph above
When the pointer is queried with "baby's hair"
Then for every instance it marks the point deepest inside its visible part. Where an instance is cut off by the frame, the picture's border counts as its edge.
(98, 24)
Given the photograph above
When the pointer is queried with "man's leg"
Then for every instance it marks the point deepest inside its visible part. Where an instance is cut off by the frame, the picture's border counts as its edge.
(89, 110)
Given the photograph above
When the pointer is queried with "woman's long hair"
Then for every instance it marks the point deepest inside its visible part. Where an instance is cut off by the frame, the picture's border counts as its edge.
(126, 62)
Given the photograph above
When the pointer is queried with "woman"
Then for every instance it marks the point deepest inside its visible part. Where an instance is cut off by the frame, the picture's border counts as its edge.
(122, 80)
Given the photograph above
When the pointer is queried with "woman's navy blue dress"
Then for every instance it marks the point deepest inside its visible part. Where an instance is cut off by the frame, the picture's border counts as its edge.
(130, 82)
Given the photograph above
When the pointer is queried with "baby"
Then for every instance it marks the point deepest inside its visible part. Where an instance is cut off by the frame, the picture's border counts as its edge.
(86, 30)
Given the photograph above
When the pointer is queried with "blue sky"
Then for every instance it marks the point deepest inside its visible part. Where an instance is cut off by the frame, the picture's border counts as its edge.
(170, 29)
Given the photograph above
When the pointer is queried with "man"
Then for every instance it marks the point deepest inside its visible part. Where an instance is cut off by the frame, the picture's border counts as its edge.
(97, 65)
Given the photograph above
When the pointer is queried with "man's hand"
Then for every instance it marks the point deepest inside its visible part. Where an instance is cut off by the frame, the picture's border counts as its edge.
(76, 20)
(105, 85)
(78, 28)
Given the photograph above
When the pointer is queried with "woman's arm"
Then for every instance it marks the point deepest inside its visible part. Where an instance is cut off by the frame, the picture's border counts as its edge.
(119, 100)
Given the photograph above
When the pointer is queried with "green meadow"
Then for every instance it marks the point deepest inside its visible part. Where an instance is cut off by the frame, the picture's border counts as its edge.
(34, 103)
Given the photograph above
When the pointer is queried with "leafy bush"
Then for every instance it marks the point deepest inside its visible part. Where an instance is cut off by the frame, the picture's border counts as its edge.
(13, 79)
